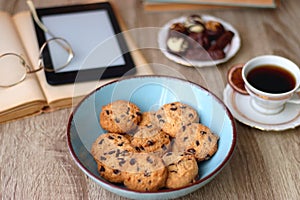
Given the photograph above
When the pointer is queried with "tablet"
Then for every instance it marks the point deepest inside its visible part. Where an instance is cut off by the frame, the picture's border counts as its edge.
(92, 30)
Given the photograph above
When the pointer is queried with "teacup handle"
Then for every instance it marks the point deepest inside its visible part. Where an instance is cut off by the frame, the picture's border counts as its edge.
(296, 98)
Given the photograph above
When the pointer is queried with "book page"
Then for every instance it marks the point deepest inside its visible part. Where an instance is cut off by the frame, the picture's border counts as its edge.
(27, 91)
(254, 3)
(63, 95)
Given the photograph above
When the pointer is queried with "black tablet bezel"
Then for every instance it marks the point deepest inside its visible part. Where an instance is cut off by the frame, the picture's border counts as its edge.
(54, 78)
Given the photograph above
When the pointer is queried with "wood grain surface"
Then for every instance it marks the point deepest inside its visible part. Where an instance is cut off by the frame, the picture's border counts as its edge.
(34, 159)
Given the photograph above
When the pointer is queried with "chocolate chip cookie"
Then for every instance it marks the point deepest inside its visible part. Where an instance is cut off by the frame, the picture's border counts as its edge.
(182, 169)
(151, 139)
(172, 116)
(145, 172)
(110, 151)
(196, 139)
(120, 116)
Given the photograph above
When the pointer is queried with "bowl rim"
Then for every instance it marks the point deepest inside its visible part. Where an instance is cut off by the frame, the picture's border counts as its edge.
(109, 184)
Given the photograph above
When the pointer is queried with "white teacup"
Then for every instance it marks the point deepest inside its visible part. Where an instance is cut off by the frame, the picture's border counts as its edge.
(268, 100)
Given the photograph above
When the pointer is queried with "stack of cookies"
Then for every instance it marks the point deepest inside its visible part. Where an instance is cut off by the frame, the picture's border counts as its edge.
(152, 150)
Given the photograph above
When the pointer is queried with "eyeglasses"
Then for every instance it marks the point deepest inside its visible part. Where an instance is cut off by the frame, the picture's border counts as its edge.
(16, 63)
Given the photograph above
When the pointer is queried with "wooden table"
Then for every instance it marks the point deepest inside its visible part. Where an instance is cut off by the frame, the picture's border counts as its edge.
(35, 162)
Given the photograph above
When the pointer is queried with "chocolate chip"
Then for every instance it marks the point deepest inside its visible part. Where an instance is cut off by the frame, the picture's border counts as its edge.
(185, 138)
(122, 162)
(161, 121)
(197, 143)
(119, 136)
(116, 171)
(107, 112)
(192, 151)
(147, 174)
(164, 147)
(158, 116)
(138, 113)
(139, 180)
(111, 137)
(128, 110)
(149, 125)
(207, 157)
(102, 169)
(203, 132)
(101, 141)
(132, 161)
(173, 108)
(132, 116)
(117, 120)
(169, 153)
(120, 144)
(150, 143)
(209, 138)
(111, 152)
(191, 115)
(118, 153)
(173, 171)
(125, 153)
(183, 128)
(149, 160)
(137, 148)
(102, 158)
(183, 107)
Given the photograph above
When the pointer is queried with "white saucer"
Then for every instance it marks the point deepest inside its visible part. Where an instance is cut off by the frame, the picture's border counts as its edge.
(230, 50)
(240, 107)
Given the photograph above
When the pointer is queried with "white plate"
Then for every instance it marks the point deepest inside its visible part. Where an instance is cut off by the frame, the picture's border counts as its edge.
(230, 50)
(240, 107)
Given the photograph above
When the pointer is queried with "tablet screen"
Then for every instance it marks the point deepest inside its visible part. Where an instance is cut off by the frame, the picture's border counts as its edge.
(92, 30)
(85, 31)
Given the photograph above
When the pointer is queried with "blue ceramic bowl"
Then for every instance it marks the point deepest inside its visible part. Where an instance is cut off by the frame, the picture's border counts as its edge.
(149, 93)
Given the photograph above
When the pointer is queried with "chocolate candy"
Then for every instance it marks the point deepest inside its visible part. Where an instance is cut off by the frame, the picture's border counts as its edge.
(178, 27)
(193, 19)
(214, 29)
(196, 28)
(223, 41)
(216, 54)
(199, 39)
(177, 45)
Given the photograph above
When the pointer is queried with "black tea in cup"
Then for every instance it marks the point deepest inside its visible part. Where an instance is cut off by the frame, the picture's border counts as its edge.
(271, 79)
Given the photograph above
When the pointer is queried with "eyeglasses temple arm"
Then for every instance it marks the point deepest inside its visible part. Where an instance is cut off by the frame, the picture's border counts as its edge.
(46, 30)
(36, 18)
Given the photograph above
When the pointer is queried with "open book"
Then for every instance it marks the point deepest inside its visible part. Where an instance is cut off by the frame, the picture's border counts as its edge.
(34, 95)
(160, 5)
